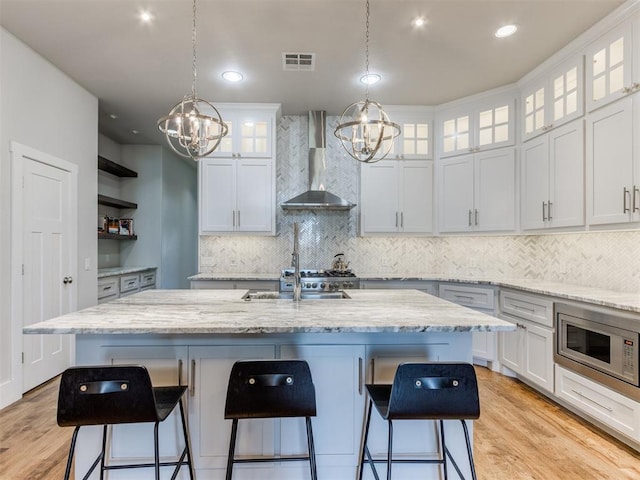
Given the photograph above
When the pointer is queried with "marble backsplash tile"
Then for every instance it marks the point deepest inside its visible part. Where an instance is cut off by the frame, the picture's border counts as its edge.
(598, 259)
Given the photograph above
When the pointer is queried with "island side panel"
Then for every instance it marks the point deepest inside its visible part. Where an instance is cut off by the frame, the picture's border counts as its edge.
(369, 357)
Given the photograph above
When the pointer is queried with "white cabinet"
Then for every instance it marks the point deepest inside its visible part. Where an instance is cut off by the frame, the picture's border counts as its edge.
(612, 409)
(120, 285)
(477, 192)
(481, 299)
(613, 163)
(166, 366)
(415, 141)
(612, 69)
(397, 197)
(108, 289)
(208, 379)
(237, 195)
(338, 377)
(553, 100)
(251, 130)
(478, 126)
(528, 351)
(552, 193)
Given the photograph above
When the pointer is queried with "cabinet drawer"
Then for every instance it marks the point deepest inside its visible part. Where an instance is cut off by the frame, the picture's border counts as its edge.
(527, 307)
(147, 279)
(129, 283)
(615, 410)
(474, 297)
(108, 287)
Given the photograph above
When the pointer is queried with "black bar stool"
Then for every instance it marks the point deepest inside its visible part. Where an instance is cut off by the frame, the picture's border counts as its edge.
(270, 389)
(424, 391)
(111, 395)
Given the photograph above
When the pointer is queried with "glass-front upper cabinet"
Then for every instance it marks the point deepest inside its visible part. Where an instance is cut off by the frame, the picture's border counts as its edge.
(610, 72)
(480, 125)
(251, 131)
(415, 141)
(553, 100)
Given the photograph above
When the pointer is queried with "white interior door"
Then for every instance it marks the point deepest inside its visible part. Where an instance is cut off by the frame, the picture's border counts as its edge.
(48, 272)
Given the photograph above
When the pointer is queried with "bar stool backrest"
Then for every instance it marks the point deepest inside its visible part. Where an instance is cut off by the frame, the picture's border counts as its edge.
(434, 391)
(106, 395)
(270, 389)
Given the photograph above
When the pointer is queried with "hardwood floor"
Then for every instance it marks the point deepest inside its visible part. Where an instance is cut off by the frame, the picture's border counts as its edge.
(520, 436)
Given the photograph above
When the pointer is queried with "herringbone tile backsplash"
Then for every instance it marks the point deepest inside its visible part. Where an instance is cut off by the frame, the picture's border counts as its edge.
(599, 259)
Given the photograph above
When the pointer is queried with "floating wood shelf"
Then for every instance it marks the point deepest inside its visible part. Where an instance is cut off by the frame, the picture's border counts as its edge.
(115, 236)
(115, 202)
(115, 168)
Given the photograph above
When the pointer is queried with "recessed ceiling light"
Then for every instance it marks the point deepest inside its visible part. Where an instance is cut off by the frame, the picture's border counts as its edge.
(370, 79)
(232, 76)
(113, 116)
(419, 21)
(145, 16)
(506, 31)
(135, 132)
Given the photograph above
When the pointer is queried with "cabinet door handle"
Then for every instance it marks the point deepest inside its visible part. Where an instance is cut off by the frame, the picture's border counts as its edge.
(636, 191)
(396, 219)
(234, 218)
(360, 375)
(179, 371)
(401, 219)
(470, 217)
(238, 218)
(476, 215)
(586, 397)
(549, 217)
(192, 383)
(625, 195)
(544, 211)
(372, 363)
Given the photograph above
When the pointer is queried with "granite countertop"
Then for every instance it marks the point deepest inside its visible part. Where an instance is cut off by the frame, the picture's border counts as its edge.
(595, 296)
(112, 271)
(224, 312)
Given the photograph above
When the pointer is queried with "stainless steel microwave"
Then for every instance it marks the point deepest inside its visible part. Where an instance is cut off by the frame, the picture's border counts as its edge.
(598, 343)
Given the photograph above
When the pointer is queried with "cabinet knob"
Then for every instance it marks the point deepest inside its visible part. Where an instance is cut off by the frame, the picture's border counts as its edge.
(67, 280)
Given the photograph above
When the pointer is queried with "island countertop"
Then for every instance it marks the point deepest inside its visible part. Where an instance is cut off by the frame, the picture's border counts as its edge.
(225, 312)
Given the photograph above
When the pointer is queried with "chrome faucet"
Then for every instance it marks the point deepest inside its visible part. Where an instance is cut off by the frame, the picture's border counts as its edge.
(295, 263)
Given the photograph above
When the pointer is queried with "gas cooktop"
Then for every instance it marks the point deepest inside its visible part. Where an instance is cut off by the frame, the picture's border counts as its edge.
(319, 280)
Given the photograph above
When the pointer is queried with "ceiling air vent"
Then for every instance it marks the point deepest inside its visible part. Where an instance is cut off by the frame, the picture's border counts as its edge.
(299, 62)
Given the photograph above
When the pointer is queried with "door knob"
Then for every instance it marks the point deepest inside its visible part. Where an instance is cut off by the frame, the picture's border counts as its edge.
(66, 280)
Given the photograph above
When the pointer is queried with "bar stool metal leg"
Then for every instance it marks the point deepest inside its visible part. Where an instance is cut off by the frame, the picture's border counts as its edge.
(312, 450)
(390, 450)
(444, 451)
(232, 448)
(187, 441)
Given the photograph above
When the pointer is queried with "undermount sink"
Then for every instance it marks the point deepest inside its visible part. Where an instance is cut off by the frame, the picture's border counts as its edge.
(257, 295)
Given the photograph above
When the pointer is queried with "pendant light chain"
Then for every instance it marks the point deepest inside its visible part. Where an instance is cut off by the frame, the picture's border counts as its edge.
(193, 128)
(193, 41)
(366, 66)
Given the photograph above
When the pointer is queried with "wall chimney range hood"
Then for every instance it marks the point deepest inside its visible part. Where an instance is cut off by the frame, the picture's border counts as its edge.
(317, 197)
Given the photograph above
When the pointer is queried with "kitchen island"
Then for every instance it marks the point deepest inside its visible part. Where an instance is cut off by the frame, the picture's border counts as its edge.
(194, 336)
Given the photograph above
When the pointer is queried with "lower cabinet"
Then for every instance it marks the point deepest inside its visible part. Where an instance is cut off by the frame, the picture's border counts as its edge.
(607, 407)
(337, 376)
(209, 374)
(479, 298)
(528, 351)
(129, 443)
(116, 286)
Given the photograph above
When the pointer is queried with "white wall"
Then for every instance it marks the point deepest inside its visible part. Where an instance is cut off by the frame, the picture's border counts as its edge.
(166, 218)
(44, 109)
(180, 221)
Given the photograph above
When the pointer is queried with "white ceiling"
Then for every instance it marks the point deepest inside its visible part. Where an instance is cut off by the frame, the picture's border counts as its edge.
(138, 72)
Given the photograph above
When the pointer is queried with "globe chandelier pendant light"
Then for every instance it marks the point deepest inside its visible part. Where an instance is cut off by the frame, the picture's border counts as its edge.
(364, 129)
(193, 128)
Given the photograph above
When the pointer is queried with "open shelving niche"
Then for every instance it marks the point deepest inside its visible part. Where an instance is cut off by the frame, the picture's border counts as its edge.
(118, 170)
